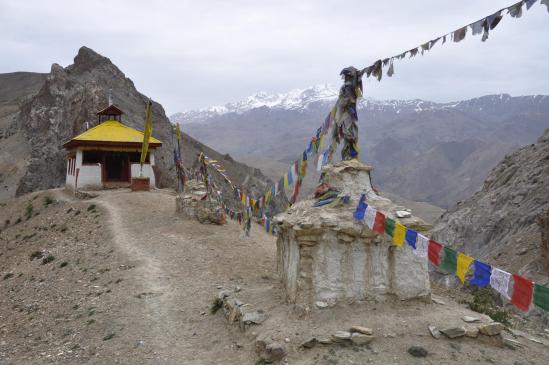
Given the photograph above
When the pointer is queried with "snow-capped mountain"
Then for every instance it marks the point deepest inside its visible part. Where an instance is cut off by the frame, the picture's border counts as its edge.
(422, 150)
(296, 99)
(323, 96)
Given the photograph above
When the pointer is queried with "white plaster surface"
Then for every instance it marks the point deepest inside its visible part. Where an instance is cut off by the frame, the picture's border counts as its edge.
(325, 255)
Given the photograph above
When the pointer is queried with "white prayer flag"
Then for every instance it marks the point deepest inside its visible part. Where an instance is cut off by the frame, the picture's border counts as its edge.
(499, 280)
(422, 245)
(370, 217)
(319, 163)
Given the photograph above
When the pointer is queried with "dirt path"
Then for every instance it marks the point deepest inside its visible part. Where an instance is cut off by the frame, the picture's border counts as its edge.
(131, 283)
(180, 266)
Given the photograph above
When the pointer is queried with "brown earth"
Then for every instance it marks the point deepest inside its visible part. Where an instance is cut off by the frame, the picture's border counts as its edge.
(138, 284)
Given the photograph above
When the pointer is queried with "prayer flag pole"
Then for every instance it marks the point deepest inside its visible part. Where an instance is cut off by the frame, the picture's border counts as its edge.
(146, 135)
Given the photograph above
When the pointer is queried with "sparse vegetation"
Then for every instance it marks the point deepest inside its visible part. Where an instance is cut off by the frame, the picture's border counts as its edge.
(216, 305)
(6, 222)
(110, 336)
(36, 255)
(48, 259)
(19, 220)
(483, 303)
(63, 264)
(29, 210)
(91, 207)
(8, 276)
(48, 200)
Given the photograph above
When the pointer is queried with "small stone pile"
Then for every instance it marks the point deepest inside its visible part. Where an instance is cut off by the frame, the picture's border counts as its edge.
(194, 203)
(472, 329)
(357, 335)
(237, 311)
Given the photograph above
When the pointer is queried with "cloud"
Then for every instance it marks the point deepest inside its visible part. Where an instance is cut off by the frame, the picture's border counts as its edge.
(189, 54)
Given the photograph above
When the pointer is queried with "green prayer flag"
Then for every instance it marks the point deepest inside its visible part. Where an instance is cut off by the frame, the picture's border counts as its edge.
(449, 264)
(541, 297)
(389, 226)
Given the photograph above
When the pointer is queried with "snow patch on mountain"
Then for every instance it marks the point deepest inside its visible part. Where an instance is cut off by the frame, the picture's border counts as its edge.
(324, 96)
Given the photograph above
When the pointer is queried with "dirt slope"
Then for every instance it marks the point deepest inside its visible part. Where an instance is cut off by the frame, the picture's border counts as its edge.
(139, 282)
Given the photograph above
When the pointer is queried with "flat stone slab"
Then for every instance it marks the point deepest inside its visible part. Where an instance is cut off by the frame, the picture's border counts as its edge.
(361, 339)
(341, 336)
(364, 330)
(454, 332)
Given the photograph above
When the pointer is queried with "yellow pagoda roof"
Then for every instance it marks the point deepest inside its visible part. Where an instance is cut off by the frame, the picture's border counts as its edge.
(111, 132)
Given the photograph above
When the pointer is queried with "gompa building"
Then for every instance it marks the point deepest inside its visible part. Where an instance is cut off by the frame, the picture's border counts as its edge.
(108, 155)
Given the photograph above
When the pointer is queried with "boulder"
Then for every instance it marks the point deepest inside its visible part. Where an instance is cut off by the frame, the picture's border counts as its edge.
(491, 329)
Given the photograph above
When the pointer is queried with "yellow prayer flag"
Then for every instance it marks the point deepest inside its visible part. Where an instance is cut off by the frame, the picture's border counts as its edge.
(463, 263)
(321, 143)
(286, 184)
(146, 133)
(178, 132)
(243, 199)
(398, 234)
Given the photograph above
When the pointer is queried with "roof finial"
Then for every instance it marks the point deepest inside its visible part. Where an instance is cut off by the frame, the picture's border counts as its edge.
(110, 96)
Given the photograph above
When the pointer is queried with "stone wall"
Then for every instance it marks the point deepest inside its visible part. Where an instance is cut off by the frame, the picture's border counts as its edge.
(192, 205)
(324, 255)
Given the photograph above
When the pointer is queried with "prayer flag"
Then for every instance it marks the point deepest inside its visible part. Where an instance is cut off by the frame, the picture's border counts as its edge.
(422, 245)
(286, 182)
(379, 223)
(370, 217)
(449, 262)
(463, 263)
(522, 292)
(290, 175)
(482, 274)
(319, 163)
(434, 252)
(398, 236)
(411, 237)
(541, 297)
(147, 131)
(499, 280)
(389, 226)
(361, 208)
(321, 143)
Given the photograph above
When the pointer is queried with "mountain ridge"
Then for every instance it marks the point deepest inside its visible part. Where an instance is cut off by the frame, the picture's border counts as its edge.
(405, 141)
(300, 99)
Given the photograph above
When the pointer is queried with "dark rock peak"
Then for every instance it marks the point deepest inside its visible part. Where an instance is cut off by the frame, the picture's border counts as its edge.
(88, 60)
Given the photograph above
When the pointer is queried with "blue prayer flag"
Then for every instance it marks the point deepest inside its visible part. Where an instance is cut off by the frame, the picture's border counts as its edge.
(290, 176)
(361, 208)
(482, 274)
(411, 237)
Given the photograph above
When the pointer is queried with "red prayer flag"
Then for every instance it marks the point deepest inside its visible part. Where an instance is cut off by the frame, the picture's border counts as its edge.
(522, 292)
(434, 252)
(379, 223)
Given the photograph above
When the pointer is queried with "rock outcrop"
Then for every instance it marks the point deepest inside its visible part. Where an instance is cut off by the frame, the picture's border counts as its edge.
(67, 99)
(499, 223)
(325, 256)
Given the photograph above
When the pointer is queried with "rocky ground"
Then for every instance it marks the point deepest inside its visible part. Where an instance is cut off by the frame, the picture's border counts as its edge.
(120, 279)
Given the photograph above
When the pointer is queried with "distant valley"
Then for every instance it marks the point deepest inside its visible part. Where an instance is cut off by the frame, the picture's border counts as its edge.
(423, 151)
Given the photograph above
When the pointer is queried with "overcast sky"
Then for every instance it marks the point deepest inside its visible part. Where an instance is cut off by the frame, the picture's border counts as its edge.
(192, 54)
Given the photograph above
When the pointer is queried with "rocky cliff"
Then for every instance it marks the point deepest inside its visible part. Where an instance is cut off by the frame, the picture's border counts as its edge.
(59, 104)
(504, 222)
